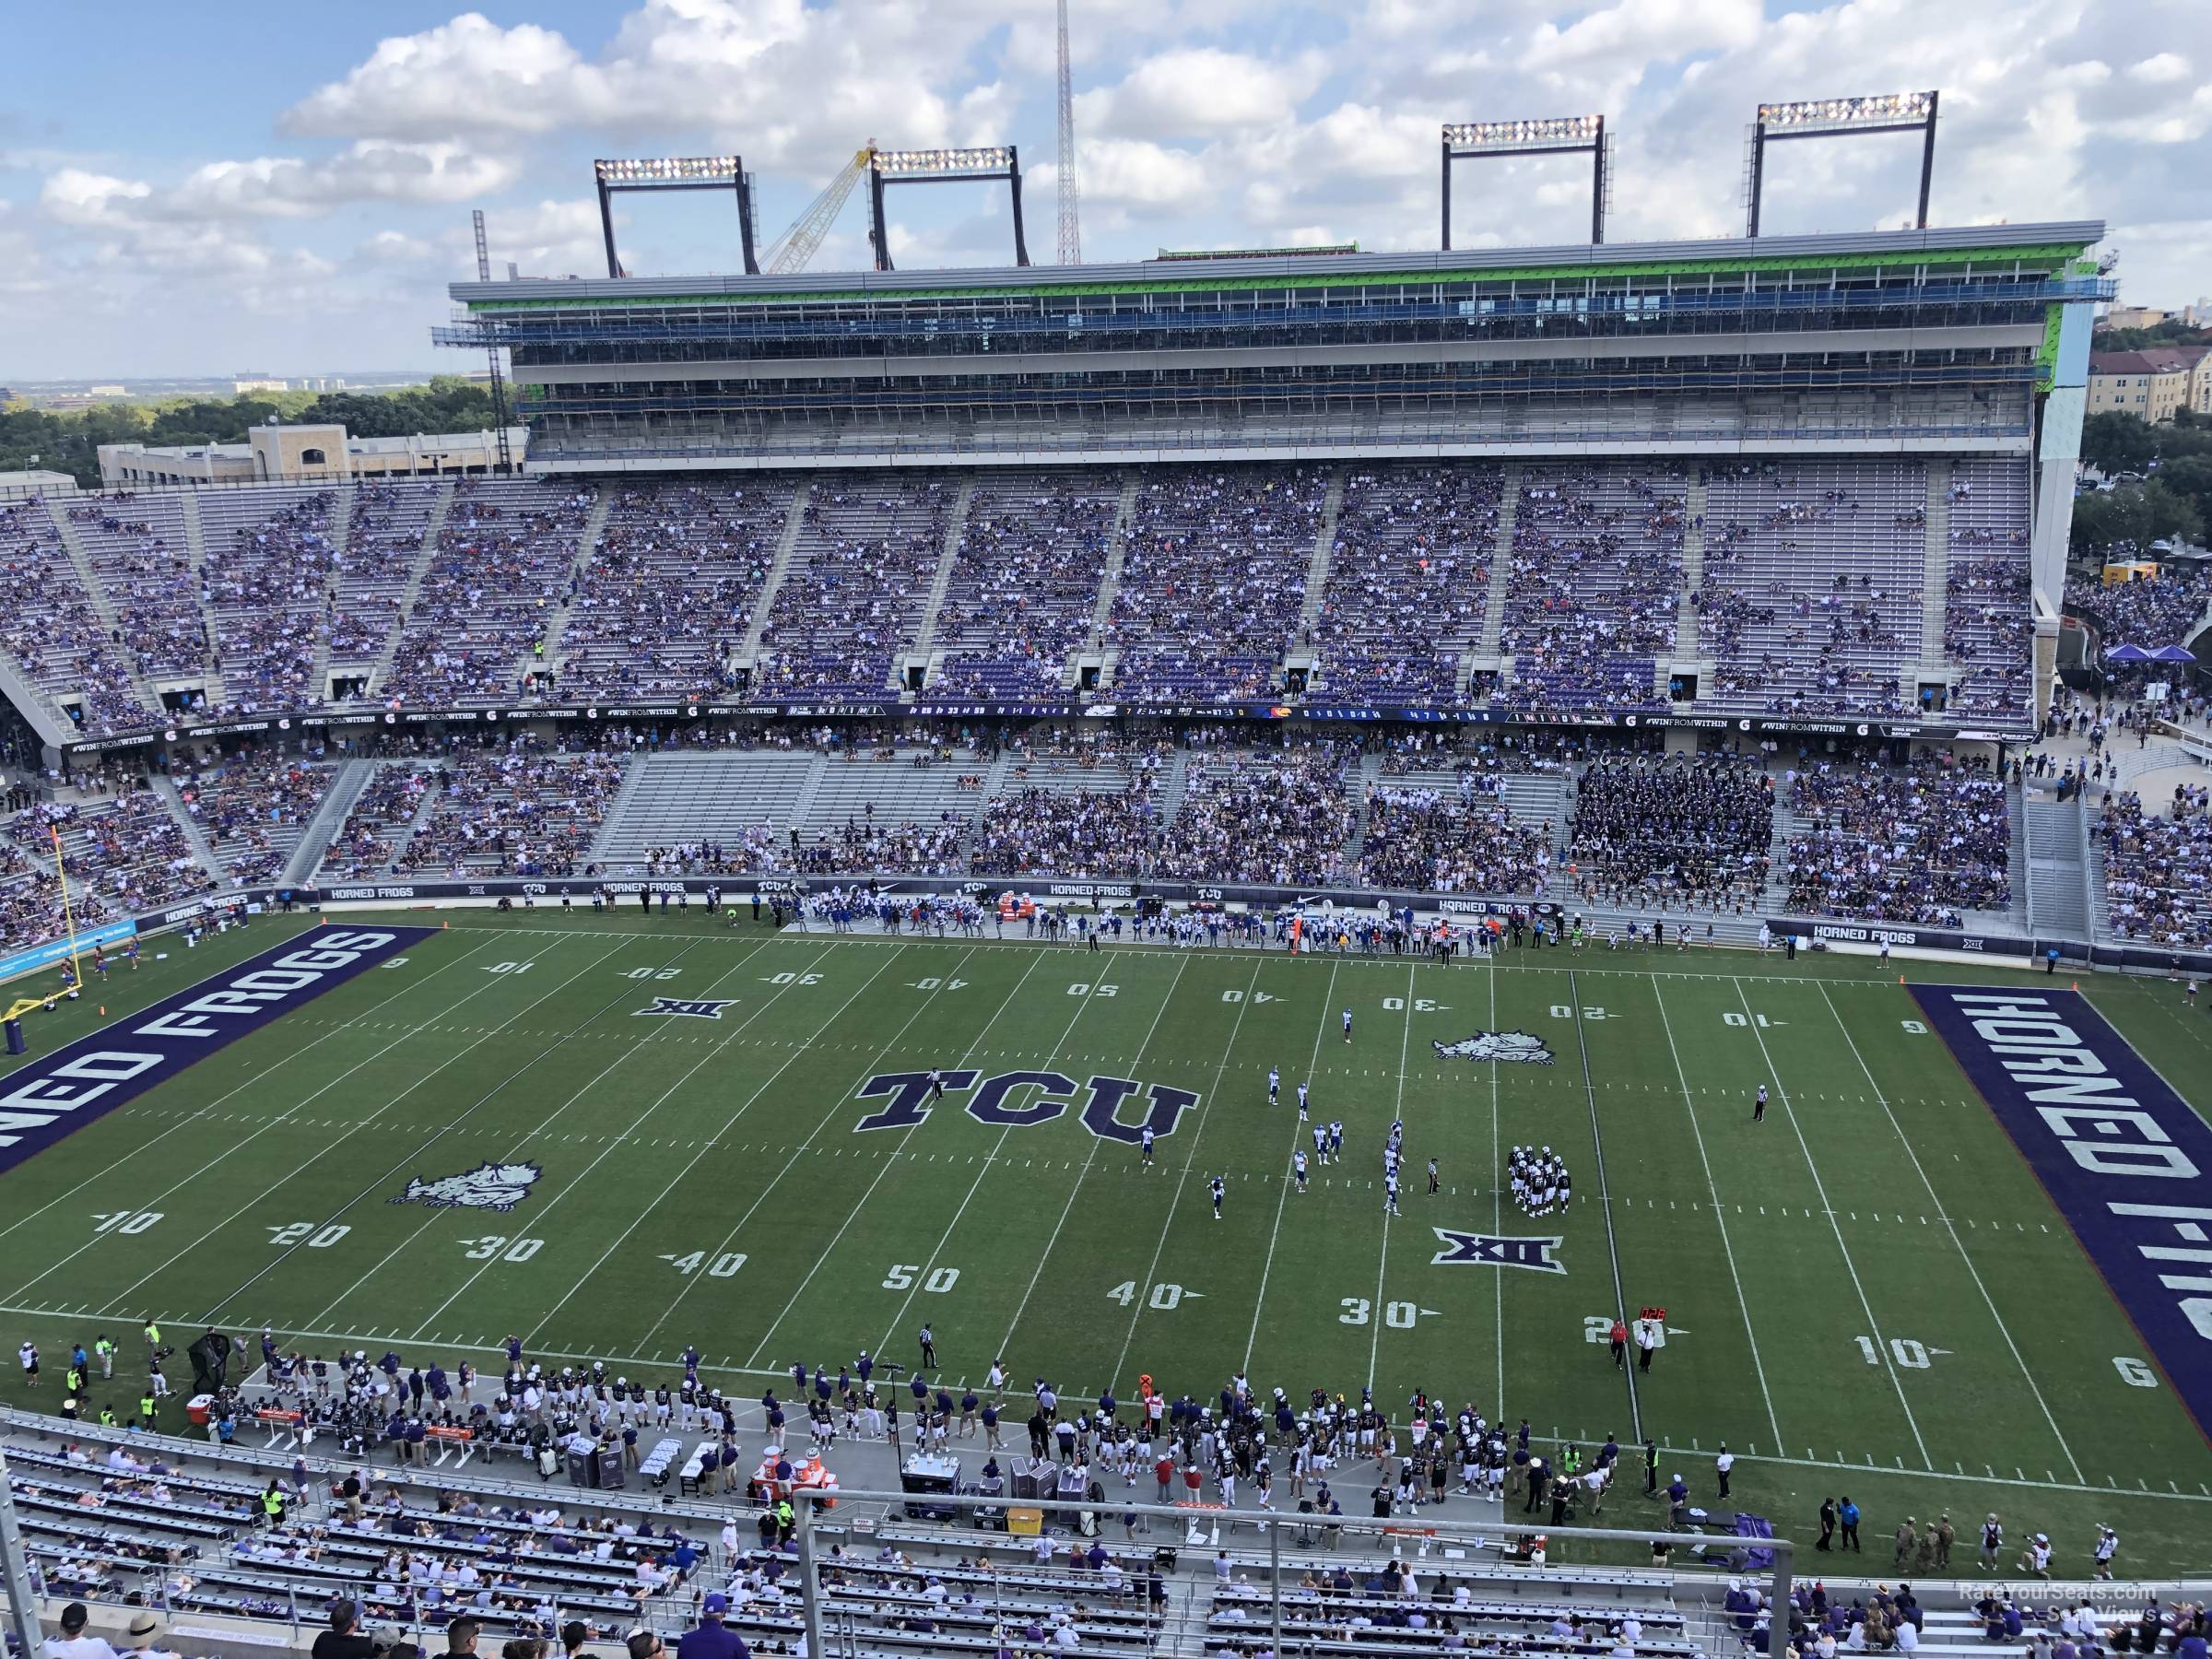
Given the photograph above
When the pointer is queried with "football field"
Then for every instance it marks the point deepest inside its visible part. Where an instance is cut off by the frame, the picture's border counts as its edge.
(722, 1136)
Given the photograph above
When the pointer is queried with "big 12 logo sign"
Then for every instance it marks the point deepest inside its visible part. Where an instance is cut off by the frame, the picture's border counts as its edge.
(1018, 1100)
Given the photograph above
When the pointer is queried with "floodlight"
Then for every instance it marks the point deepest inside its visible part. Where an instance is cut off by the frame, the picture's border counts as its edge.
(1550, 134)
(673, 172)
(1830, 117)
(941, 167)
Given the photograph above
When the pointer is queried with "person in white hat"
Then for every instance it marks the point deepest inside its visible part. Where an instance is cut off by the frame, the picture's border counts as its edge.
(144, 1636)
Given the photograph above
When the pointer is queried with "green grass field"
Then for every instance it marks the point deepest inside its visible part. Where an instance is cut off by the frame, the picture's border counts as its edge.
(1869, 1293)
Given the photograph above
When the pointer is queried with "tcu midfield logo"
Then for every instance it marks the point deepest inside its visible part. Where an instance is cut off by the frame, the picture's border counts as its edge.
(488, 1186)
(1018, 1099)
(1495, 1045)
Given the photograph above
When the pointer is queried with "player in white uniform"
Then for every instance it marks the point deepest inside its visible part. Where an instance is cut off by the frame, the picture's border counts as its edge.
(1298, 1164)
(1390, 1193)
(1220, 1188)
(1275, 1085)
(1321, 1142)
(1144, 1146)
(1302, 1102)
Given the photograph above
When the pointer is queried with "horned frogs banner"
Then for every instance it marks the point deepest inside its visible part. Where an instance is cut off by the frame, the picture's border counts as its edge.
(2127, 1160)
(49, 1097)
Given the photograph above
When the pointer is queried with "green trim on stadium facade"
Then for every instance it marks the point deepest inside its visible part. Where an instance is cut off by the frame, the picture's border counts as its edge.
(2052, 253)
(2046, 356)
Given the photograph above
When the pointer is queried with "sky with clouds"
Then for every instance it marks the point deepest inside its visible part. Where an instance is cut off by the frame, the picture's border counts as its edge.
(188, 193)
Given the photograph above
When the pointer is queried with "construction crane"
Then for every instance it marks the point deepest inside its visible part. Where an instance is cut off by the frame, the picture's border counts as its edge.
(791, 251)
(1071, 237)
(498, 383)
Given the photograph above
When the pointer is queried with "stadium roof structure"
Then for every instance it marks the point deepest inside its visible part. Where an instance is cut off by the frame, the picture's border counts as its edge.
(1954, 245)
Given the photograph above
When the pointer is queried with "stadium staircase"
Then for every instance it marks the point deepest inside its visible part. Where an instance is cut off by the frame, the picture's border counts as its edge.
(1109, 578)
(2054, 836)
(587, 544)
(1693, 580)
(166, 787)
(678, 797)
(1364, 778)
(795, 518)
(432, 529)
(341, 544)
(1540, 798)
(1935, 580)
(1501, 566)
(956, 526)
(346, 785)
(901, 793)
(1324, 548)
(102, 607)
(196, 549)
(45, 716)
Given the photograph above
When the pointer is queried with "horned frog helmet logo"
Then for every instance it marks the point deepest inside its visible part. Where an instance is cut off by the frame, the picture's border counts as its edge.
(1496, 1045)
(494, 1186)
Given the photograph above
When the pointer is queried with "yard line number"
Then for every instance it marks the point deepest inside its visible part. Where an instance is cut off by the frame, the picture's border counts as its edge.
(498, 1247)
(1164, 1299)
(1397, 1315)
(902, 1277)
(306, 1232)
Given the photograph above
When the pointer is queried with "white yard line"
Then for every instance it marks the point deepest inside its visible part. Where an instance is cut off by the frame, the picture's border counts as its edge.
(1604, 1197)
(1712, 1189)
(1813, 1168)
(1374, 1336)
(1136, 1303)
(1497, 1188)
(705, 1147)
(983, 1174)
(890, 1163)
(1328, 1002)
(1067, 1209)
(261, 1196)
(1958, 1243)
(622, 1057)
(260, 1077)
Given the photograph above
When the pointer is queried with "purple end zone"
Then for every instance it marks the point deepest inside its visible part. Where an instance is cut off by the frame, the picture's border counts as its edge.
(50, 1097)
(2121, 1155)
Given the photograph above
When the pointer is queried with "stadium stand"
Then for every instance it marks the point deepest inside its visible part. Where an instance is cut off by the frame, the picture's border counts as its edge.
(1452, 841)
(671, 587)
(1213, 581)
(1678, 831)
(52, 631)
(386, 535)
(253, 807)
(1408, 582)
(270, 555)
(510, 811)
(503, 567)
(1920, 843)
(1595, 587)
(1279, 817)
(137, 549)
(859, 581)
(2157, 869)
(1810, 600)
(1024, 583)
(1988, 614)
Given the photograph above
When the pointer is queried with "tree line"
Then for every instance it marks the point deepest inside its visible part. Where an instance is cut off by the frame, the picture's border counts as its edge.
(68, 441)
(2165, 488)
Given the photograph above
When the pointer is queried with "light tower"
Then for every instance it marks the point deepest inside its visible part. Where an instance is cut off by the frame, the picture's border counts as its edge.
(1071, 236)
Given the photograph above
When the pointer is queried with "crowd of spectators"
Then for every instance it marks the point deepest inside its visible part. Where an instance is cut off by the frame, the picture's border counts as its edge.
(671, 587)
(136, 549)
(383, 540)
(266, 585)
(52, 631)
(1213, 581)
(910, 847)
(1408, 582)
(2157, 870)
(859, 580)
(1989, 631)
(1081, 832)
(1451, 841)
(1677, 829)
(1024, 585)
(123, 855)
(376, 824)
(492, 596)
(1920, 843)
(517, 810)
(1595, 589)
(2167, 611)
(1277, 817)
(252, 807)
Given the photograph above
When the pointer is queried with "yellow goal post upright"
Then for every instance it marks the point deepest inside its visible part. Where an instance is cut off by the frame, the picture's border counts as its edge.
(25, 1004)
